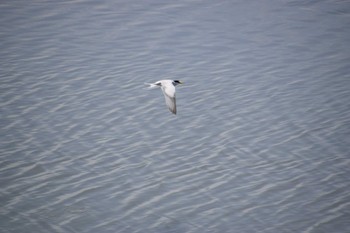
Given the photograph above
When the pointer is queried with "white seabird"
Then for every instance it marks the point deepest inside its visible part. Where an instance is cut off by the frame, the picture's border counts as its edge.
(168, 88)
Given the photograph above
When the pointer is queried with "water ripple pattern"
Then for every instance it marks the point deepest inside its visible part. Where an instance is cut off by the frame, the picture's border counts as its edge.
(260, 142)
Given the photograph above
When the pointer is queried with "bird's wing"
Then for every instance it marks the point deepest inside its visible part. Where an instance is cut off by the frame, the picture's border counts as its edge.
(169, 94)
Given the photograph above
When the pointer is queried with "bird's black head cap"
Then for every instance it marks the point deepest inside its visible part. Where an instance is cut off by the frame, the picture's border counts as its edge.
(177, 82)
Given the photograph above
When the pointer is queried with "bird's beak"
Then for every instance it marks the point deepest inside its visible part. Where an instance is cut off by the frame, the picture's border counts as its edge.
(181, 82)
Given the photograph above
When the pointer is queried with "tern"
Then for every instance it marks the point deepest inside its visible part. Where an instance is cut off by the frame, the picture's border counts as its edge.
(168, 89)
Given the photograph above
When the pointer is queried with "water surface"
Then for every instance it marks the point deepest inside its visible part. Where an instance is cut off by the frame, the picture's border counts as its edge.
(260, 142)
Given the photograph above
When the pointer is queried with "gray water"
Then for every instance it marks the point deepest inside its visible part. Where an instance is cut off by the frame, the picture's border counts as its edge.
(260, 142)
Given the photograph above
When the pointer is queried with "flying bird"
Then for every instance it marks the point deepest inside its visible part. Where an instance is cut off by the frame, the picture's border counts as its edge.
(168, 89)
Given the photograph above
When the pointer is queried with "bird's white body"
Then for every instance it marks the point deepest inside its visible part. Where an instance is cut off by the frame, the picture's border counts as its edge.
(168, 89)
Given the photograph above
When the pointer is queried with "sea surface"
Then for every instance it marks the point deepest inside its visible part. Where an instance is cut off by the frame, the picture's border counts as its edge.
(261, 141)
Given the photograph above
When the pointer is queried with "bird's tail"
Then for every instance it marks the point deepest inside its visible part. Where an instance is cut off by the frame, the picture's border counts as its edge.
(151, 86)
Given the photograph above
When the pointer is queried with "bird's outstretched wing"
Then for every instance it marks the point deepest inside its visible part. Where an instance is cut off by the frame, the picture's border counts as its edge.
(169, 94)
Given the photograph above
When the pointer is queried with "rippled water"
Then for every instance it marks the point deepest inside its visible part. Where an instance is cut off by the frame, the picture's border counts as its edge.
(260, 143)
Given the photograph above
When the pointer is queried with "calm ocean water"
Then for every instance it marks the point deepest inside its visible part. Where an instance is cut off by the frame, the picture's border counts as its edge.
(260, 142)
